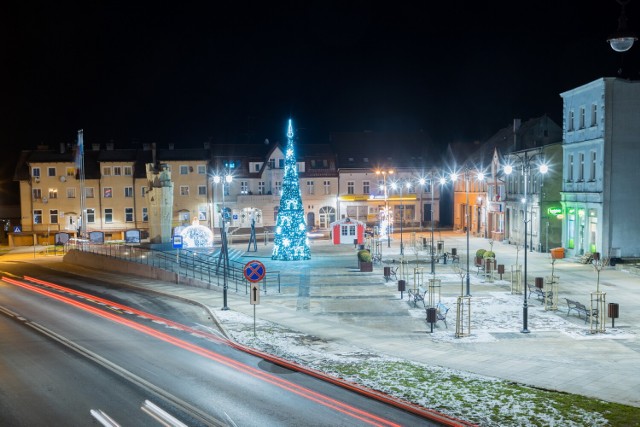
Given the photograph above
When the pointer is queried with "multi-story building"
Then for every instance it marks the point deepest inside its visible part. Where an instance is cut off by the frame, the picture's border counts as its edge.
(600, 154)
(116, 187)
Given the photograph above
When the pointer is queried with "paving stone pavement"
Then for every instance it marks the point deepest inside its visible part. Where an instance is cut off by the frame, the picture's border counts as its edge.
(327, 297)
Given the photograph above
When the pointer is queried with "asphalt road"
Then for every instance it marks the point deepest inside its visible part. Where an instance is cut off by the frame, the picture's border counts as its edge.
(208, 375)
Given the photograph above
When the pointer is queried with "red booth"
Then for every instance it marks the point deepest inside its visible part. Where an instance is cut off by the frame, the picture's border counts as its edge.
(345, 231)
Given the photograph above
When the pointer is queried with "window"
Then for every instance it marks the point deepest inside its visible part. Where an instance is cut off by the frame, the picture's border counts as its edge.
(37, 216)
(281, 163)
(272, 163)
(88, 192)
(202, 213)
(143, 191)
(570, 169)
(91, 216)
(261, 187)
(184, 169)
(351, 187)
(226, 188)
(581, 117)
(53, 193)
(202, 169)
(128, 191)
(581, 167)
(327, 187)
(310, 187)
(592, 168)
(71, 193)
(117, 170)
(202, 190)
(256, 167)
(278, 188)
(184, 190)
(106, 171)
(35, 172)
(244, 187)
(128, 171)
(51, 171)
(594, 115)
(128, 214)
(71, 171)
(366, 187)
(37, 193)
(145, 214)
(108, 215)
(107, 192)
(53, 216)
(570, 124)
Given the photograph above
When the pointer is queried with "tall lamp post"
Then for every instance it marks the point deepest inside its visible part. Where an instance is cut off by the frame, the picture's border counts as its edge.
(467, 177)
(396, 185)
(384, 173)
(525, 163)
(224, 250)
(422, 182)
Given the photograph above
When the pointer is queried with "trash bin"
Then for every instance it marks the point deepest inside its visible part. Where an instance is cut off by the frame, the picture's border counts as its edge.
(614, 313)
(387, 272)
(539, 282)
(402, 285)
(431, 315)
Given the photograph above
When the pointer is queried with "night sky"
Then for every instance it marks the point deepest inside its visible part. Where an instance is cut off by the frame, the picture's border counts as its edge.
(189, 72)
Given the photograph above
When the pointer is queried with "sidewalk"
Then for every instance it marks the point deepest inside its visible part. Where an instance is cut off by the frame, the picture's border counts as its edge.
(327, 297)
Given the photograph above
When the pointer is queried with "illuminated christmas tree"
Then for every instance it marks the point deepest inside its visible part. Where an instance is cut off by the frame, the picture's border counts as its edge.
(290, 242)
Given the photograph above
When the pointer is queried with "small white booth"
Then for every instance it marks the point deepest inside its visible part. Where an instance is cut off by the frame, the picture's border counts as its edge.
(346, 230)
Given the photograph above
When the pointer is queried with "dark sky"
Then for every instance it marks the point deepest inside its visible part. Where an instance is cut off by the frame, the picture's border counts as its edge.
(188, 72)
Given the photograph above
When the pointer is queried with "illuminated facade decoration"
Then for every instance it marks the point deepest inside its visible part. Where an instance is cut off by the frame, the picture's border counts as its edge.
(290, 241)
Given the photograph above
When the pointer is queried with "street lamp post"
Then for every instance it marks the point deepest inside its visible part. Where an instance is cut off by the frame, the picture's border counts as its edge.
(467, 178)
(422, 182)
(224, 250)
(395, 185)
(384, 174)
(525, 161)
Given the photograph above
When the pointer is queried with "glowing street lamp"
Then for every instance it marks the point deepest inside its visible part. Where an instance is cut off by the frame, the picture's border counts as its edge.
(525, 166)
(224, 251)
(395, 186)
(384, 174)
(466, 175)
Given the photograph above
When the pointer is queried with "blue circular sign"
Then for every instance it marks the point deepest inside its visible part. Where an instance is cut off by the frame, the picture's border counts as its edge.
(254, 271)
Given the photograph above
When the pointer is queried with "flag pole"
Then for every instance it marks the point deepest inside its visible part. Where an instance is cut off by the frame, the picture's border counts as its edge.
(82, 229)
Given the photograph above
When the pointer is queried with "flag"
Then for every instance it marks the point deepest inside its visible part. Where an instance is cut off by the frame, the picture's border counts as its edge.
(80, 150)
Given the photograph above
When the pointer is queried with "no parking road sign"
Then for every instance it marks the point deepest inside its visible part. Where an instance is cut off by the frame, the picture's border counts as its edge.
(254, 271)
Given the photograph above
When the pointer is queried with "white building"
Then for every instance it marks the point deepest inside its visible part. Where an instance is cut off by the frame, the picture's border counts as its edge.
(601, 149)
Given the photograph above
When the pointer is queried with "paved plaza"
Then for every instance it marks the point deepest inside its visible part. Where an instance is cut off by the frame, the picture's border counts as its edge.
(329, 298)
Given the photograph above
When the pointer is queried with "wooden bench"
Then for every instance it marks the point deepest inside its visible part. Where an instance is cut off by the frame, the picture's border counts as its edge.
(581, 309)
(540, 293)
(417, 295)
(441, 313)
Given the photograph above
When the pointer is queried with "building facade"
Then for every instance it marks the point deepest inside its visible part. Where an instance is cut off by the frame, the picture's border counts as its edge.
(601, 148)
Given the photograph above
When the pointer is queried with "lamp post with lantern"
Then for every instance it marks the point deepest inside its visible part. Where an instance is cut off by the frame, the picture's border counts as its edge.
(224, 250)
(467, 174)
(526, 169)
(401, 185)
(384, 173)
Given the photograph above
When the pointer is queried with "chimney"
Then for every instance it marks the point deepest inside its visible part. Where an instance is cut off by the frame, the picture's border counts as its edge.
(63, 147)
(146, 147)
(95, 146)
(110, 146)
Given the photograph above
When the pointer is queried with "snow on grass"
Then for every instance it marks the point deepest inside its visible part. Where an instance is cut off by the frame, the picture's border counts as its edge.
(478, 399)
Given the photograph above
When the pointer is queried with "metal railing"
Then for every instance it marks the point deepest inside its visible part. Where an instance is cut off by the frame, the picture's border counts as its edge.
(201, 264)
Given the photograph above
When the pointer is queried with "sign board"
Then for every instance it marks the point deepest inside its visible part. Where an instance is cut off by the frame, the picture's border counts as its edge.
(177, 242)
(254, 294)
(17, 229)
(554, 210)
(254, 271)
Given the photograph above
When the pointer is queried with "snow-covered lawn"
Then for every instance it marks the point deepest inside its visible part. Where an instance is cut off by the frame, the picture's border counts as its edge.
(478, 399)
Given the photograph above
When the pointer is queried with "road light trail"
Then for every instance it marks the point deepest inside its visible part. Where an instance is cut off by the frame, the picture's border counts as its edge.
(256, 373)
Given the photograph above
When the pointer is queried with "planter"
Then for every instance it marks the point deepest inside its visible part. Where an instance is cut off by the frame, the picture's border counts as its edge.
(366, 267)
(557, 253)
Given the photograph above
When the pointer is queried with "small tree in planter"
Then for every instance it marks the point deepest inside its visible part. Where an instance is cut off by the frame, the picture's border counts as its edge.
(479, 257)
(489, 258)
(364, 261)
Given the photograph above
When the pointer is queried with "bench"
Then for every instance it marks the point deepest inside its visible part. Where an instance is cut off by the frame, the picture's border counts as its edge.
(540, 293)
(392, 273)
(581, 309)
(441, 313)
(417, 295)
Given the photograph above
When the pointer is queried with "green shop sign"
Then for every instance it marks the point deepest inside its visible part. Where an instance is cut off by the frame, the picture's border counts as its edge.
(555, 211)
